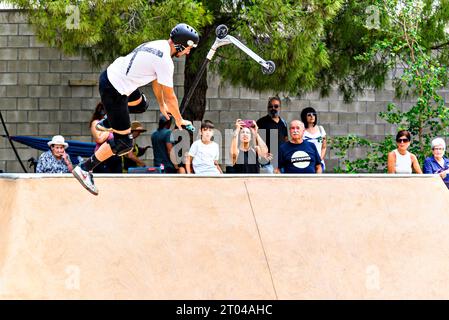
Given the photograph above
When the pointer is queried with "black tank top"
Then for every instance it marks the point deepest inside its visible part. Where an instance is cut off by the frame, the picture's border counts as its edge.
(247, 162)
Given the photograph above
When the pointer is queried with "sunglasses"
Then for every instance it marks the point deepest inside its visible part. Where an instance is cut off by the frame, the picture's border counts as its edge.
(273, 106)
(404, 140)
(311, 114)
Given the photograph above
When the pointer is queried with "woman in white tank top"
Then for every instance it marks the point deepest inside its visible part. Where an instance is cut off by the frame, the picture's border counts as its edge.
(400, 160)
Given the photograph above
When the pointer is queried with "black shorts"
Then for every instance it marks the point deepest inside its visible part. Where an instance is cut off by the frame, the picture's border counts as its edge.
(115, 104)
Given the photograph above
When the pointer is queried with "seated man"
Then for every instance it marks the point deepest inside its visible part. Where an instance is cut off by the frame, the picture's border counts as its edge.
(162, 146)
(297, 155)
(55, 160)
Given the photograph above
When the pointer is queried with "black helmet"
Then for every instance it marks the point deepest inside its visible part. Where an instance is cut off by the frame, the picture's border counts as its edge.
(184, 36)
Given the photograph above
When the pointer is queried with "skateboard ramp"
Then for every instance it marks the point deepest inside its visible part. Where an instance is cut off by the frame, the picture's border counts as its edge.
(260, 237)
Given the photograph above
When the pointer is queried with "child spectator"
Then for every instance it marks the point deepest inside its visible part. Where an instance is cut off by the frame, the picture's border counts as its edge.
(204, 153)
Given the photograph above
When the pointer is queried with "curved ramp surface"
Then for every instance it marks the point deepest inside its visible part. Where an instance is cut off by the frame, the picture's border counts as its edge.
(261, 237)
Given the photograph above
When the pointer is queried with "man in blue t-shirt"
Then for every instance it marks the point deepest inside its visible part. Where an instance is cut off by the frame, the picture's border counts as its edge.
(162, 146)
(297, 155)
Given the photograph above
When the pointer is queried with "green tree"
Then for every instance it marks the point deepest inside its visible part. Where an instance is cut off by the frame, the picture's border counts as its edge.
(404, 41)
(291, 33)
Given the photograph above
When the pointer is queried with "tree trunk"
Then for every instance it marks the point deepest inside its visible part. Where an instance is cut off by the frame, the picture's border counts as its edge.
(197, 105)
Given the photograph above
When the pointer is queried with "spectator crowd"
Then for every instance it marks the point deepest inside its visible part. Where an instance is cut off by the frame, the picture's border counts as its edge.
(267, 145)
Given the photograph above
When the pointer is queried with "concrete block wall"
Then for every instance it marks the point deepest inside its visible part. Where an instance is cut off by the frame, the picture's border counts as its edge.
(37, 99)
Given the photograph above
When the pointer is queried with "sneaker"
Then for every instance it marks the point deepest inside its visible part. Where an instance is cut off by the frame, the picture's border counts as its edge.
(103, 125)
(86, 179)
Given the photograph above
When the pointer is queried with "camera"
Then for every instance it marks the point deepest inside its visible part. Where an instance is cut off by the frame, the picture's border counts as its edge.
(249, 123)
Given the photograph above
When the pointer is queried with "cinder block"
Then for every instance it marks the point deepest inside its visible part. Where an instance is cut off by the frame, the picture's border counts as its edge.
(379, 120)
(27, 104)
(39, 91)
(8, 78)
(60, 91)
(347, 118)
(367, 95)
(12, 129)
(329, 117)
(8, 29)
(229, 116)
(249, 94)
(29, 54)
(212, 93)
(357, 129)
(3, 41)
(91, 103)
(70, 103)
(18, 66)
(385, 95)
(17, 17)
(67, 129)
(338, 106)
(3, 66)
(49, 79)
(322, 106)
(95, 75)
(49, 54)
(35, 43)
(17, 91)
(8, 103)
(366, 118)
(28, 79)
(8, 54)
(299, 104)
(49, 129)
(375, 129)
(82, 92)
(228, 92)
(60, 117)
(38, 116)
(339, 130)
(258, 105)
(219, 104)
(82, 66)
(16, 116)
(213, 116)
(391, 129)
(14, 166)
(239, 105)
(357, 107)
(18, 41)
(38, 66)
(27, 129)
(81, 116)
(26, 30)
(60, 66)
(49, 104)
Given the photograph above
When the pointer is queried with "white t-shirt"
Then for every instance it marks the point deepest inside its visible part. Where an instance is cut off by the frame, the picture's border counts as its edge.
(316, 138)
(204, 156)
(146, 63)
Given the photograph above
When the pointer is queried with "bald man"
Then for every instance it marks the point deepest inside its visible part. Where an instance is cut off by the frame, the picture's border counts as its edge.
(297, 155)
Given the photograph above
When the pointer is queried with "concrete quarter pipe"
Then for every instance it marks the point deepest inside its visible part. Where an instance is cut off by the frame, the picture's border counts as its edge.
(229, 237)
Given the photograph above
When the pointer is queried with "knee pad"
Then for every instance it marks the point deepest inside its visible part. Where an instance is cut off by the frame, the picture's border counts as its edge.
(121, 144)
(142, 106)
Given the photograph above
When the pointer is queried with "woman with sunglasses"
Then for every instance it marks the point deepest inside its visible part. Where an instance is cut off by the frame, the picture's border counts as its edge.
(314, 133)
(438, 163)
(400, 160)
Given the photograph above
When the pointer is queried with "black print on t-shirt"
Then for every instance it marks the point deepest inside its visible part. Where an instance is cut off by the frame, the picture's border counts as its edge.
(156, 52)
